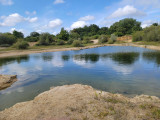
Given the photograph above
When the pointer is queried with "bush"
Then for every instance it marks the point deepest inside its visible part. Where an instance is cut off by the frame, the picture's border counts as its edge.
(138, 36)
(5, 45)
(45, 39)
(103, 39)
(31, 39)
(77, 43)
(21, 44)
(110, 41)
(70, 41)
(60, 42)
(7, 39)
(86, 40)
(113, 38)
(95, 37)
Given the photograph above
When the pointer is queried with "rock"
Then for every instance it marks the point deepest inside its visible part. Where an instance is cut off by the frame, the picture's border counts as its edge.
(7, 80)
(82, 102)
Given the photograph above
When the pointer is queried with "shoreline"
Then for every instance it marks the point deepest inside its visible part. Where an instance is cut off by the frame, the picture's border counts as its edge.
(82, 102)
(32, 51)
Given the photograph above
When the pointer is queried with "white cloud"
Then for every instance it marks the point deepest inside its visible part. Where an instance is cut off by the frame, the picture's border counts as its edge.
(58, 1)
(33, 19)
(87, 18)
(12, 20)
(127, 11)
(55, 23)
(147, 23)
(15, 18)
(6, 2)
(142, 3)
(31, 13)
(83, 63)
(20, 30)
(78, 24)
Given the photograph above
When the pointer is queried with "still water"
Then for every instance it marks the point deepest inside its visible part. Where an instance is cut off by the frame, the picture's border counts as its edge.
(126, 70)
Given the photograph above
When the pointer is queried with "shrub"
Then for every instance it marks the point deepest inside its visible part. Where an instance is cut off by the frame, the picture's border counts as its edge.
(138, 36)
(21, 44)
(86, 40)
(113, 38)
(95, 37)
(103, 39)
(77, 43)
(7, 39)
(60, 42)
(70, 41)
(32, 39)
(110, 41)
(45, 39)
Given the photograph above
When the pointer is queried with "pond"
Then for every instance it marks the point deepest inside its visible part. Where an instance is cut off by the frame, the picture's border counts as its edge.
(126, 70)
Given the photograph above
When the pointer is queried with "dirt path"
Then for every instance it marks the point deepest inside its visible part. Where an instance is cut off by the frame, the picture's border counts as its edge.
(80, 102)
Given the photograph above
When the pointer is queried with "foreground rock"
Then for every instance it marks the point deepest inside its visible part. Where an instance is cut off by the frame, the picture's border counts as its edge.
(80, 102)
(7, 80)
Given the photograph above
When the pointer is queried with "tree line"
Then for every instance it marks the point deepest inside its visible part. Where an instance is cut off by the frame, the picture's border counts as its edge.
(76, 37)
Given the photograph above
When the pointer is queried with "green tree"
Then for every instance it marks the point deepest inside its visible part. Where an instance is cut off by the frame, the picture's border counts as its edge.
(125, 26)
(155, 24)
(18, 34)
(34, 34)
(7, 39)
(63, 35)
(46, 39)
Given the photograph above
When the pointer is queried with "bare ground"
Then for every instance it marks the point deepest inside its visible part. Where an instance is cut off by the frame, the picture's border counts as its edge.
(7, 80)
(80, 102)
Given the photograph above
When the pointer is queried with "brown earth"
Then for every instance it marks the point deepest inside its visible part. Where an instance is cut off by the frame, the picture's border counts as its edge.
(81, 102)
(7, 80)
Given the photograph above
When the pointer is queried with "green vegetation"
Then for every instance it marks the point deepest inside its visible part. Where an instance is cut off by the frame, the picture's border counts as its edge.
(21, 44)
(103, 39)
(77, 43)
(7, 39)
(125, 26)
(80, 37)
(149, 34)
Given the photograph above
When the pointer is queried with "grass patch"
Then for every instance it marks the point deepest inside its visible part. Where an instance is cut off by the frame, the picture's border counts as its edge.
(112, 100)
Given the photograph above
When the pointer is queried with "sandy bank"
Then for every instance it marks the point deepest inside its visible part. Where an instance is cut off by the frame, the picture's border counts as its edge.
(80, 102)
(7, 80)
(26, 52)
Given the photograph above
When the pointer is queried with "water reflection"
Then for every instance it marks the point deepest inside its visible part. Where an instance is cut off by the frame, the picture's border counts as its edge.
(126, 70)
(125, 58)
(152, 57)
(47, 57)
(65, 57)
(10, 60)
(87, 57)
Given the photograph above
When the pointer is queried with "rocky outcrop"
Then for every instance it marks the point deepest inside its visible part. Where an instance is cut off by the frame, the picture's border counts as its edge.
(7, 80)
(81, 102)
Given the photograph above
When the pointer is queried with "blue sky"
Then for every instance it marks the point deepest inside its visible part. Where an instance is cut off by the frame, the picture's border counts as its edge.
(51, 15)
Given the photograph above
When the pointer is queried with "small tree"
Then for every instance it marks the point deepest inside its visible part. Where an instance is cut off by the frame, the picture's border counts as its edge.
(45, 39)
(18, 34)
(63, 35)
(77, 43)
(138, 36)
(34, 34)
(103, 39)
(21, 44)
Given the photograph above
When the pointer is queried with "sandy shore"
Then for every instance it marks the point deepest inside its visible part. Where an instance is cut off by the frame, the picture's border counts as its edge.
(7, 80)
(81, 102)
(26, 52)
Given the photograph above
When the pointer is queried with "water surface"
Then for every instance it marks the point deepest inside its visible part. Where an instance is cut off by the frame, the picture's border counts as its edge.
(126, 70)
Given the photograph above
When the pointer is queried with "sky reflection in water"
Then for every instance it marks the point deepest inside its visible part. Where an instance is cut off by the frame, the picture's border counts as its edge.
(125, 70)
